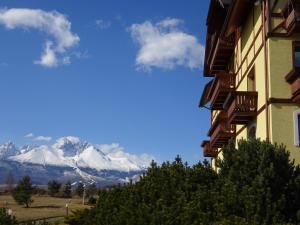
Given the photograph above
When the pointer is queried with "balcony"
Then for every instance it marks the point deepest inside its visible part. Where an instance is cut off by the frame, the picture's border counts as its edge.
(222, 85)
(221, 131)
(293, 78)
(208, 151)
(241, 107)
(218, 53)
(221, 56)
(292, 22)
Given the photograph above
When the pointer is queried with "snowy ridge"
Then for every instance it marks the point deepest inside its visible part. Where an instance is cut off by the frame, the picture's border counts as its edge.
(70, 158)
(8, 149)
(71, 152)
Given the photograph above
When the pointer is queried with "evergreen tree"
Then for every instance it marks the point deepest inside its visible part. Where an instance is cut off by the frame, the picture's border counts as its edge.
(256, 184)
(67, 192)
(53, 187)
(91, 190)
(80, 189)
(259, 183)
(23, 192)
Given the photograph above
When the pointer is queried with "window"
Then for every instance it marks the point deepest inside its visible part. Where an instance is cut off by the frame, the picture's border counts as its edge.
(297, 56)
(297, 127)
(251, 130)
(251, 81)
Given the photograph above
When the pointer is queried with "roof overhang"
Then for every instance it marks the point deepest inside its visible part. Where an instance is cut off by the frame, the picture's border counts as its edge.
(205, 94)
(237, 15)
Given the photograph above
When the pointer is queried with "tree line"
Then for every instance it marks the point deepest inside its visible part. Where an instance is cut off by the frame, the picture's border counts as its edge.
(24, 190)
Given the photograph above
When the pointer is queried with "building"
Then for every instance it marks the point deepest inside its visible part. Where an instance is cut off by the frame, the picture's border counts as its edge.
(253, 58)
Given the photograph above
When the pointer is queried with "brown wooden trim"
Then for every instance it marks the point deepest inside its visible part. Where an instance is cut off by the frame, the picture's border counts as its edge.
(240, 130)
(261, 109)
(250, 47)
(249, 67)
(280, 101)
(265, 12)
(277, 15)
(280, 25)
(280, 35)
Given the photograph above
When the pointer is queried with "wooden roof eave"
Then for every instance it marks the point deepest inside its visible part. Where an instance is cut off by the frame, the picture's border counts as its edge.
(217, 9)
(205, 94)
(237, 13)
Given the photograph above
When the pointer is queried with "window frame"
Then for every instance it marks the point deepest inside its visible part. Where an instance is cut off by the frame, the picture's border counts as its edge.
(296, 118)
(296, 44)
(252, 125)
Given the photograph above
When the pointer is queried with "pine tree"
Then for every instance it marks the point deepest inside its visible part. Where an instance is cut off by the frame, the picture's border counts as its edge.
(67, 192)
(80, 189)
(53, 187)
(91, 190)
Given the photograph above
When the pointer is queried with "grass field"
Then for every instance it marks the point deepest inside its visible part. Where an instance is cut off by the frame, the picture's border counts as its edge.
(43, 206)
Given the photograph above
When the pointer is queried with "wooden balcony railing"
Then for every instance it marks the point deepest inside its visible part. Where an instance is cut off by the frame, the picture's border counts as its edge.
(293, 78)
(223, 84)
(292, 22)
(219, 51)
(208, 151)
(296, 90)
(241, 107)
(221, 116)
(222, 134)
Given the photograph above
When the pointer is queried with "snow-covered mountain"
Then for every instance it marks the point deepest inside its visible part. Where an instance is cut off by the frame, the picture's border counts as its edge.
(70, 158)
(8, 149)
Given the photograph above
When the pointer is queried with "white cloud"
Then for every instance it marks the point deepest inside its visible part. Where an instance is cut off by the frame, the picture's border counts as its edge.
(29, 135)
(116, 151)
(170, 22)
(165, 45)
(38, 138)
(42, 138)
(48, 57)
(81, 55)
(54, 24)
(103, 24)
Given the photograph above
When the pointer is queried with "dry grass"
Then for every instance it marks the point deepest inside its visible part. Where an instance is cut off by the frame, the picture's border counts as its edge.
(42, 207)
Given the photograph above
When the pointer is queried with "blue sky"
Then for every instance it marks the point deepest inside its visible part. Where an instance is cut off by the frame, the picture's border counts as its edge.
(104, 79)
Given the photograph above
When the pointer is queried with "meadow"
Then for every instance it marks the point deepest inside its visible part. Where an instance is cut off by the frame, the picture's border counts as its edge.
(42, 207)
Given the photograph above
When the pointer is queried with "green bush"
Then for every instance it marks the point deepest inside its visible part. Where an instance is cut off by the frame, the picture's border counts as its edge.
(6, 219)
(92, 200)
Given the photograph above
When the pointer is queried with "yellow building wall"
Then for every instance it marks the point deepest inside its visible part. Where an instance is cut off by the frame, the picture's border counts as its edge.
(282, 125)
(280, 63)
(279, 55)
(281, 115)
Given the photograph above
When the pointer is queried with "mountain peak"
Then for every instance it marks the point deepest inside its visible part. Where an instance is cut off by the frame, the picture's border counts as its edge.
(69, 145)
(7, 149)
